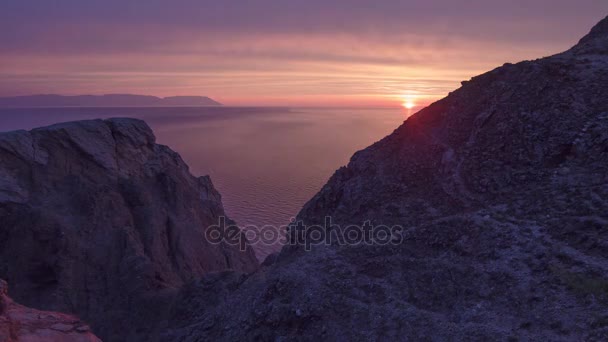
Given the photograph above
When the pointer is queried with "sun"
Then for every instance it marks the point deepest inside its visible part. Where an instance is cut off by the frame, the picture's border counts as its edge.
(409, 104)
(408, 100)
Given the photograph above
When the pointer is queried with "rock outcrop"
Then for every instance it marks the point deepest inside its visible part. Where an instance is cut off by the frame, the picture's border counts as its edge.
(502, 192)
(19, 323)
(98, 220)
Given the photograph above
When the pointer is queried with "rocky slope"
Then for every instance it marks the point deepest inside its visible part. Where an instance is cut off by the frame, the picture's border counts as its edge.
(502, 191)
(98, 220)
(18, 323)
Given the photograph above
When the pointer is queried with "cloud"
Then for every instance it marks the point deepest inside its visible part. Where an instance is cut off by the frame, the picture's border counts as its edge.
(270, 49)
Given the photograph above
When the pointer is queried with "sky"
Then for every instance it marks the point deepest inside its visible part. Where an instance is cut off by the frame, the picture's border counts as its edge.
(277, 52)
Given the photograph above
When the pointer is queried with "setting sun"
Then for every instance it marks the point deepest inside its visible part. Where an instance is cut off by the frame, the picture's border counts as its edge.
(408, 100)
(409, 104)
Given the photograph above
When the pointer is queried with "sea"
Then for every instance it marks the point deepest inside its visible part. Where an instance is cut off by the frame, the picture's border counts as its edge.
(267, 162)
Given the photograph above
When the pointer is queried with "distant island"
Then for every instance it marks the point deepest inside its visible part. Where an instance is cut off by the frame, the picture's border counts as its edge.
(109, 100)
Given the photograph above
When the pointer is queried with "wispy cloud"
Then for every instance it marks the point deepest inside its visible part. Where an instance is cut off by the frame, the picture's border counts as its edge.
(276, 52)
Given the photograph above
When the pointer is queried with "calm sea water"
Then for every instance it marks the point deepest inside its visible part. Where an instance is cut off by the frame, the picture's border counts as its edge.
(266, 162)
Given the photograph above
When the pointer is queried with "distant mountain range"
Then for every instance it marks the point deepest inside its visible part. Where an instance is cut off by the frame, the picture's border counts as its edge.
(110, 100)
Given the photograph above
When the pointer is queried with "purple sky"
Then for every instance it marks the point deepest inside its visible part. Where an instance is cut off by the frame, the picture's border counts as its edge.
(286, 52)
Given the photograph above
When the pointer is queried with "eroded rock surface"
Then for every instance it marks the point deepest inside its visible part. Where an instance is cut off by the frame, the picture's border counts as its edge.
(21, 324)
(98, 220)
(502, 189)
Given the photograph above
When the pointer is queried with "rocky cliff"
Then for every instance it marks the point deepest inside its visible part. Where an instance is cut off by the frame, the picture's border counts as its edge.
(19, 323)
(98, 220)
(502, 192)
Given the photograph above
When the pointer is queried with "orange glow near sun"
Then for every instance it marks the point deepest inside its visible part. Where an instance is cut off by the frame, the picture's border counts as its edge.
(408, 101)
(409, 104)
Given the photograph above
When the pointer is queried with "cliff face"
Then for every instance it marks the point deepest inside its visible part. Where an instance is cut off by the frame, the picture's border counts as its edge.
(19, 323)
(98, 220)
(502, 190)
